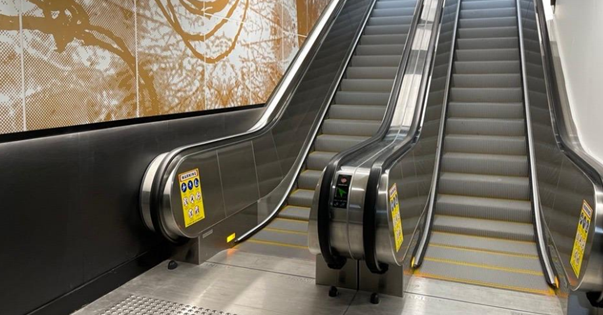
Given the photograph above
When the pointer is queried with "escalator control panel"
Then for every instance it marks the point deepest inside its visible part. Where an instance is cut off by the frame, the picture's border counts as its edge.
(342, 189)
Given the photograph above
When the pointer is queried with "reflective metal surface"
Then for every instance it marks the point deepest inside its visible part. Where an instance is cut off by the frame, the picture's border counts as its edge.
(347, 224)
(567, 175)
(255, 171)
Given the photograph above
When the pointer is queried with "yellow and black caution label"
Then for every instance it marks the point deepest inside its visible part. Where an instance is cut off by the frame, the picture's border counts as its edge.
(394, 206)
(581, 238)
(191, 196)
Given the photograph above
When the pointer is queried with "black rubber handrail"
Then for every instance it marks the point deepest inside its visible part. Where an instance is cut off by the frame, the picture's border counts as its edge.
(332, 259)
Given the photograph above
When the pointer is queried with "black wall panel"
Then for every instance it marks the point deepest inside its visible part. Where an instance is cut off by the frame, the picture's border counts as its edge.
(69, 208)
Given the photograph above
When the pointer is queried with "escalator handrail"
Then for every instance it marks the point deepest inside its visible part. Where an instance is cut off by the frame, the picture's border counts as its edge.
(323, 213)
(563, 134)
(573, 149)
(539, 233)
(274, 109)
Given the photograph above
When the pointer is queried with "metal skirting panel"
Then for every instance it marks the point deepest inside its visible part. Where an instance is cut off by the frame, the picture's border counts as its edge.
(238, 282)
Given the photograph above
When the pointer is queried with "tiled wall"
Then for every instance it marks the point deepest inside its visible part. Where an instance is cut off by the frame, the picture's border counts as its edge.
(72, 62)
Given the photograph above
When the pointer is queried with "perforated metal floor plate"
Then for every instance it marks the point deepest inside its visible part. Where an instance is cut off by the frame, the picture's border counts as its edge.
(139, 305)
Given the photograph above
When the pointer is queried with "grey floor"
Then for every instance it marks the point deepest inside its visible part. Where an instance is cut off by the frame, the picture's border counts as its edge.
(241, 282)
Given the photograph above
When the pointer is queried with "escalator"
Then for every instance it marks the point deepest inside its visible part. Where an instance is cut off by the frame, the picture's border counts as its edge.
(457, 165)
(354, 116)
(482, 230)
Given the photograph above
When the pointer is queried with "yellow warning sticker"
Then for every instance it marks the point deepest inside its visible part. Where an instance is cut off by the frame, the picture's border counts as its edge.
(581, 237)
(191, 197)
(394, 206)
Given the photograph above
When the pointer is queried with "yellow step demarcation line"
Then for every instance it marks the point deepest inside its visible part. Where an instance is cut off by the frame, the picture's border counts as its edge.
(483, 266)
(488, 251)
(478, 174)
(472, 218)
(548, 292)
(485, 237)
(291, 220)
(284, 231)
(277, 244)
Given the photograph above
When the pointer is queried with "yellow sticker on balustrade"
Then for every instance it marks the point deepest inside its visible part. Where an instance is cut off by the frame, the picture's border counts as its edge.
(581, 238)
(191, 196)
(394, 206)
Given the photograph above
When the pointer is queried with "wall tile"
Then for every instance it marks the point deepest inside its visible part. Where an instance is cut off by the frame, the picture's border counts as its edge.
(79, 62)
(263, 45)
(303, 28)
(11, 89)
(90, 61)
(171, 53)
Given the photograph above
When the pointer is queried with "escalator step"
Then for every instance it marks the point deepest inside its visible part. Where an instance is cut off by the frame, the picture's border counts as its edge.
(481, 227)
(488, 22)
(375, 61)
(488, 13)
(362, 98)
(372, 112)
(504, 80)
(295, 213)
(387, 39)
(301, 198)
(485, 144)
(393, 12)
(486, 110)
(378, 50)
(488, 43)
(337, 143)
(308, 179)
(527, 248)
(487, 164)
(386, 29)
(486, 126)
(318, 160)
(472, 5)
(485, 208)
(479, 185)
(366, 85)
(486, 95)
(486, 67)
(350, 127)
(491, 32)
(390, 20)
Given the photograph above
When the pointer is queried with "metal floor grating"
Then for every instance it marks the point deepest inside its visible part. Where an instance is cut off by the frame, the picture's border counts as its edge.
(139, 305)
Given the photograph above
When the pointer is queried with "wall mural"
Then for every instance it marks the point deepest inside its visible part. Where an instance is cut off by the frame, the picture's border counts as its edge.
(72, 62)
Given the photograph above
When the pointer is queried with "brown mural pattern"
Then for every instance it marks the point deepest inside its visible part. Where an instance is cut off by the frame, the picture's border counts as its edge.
(73, 62)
